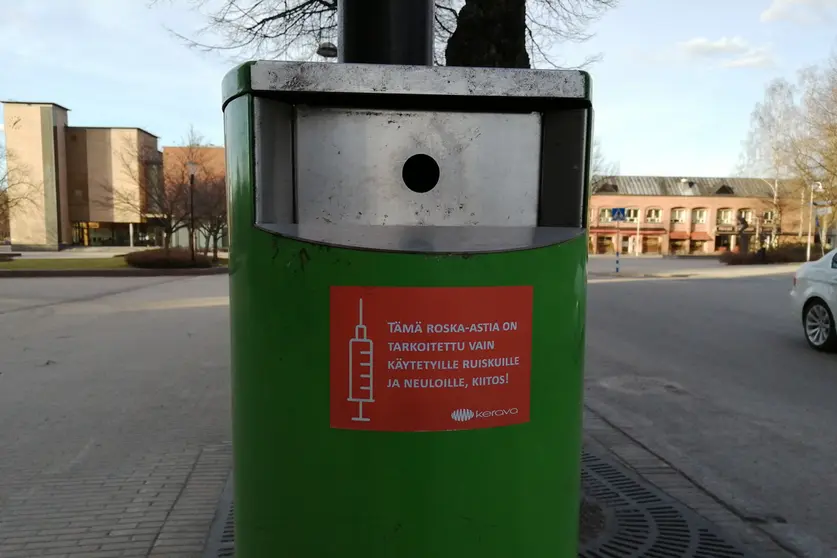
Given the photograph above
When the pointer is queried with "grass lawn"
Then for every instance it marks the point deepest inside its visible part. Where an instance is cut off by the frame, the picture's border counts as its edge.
(65, 263)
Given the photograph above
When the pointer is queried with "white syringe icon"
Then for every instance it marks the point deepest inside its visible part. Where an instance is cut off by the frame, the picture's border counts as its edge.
(360, 367)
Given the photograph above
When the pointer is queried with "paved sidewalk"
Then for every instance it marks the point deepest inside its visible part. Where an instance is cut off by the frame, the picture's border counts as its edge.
(114, 401)
(163, 508)
(670, 481)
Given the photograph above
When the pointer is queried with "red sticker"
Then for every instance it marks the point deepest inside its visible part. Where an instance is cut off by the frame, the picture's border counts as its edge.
(416, 359)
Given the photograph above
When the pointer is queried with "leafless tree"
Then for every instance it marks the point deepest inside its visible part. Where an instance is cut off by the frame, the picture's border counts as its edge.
(158, 194)
(209, 196)
(495, 33)
(601, 168)
(767, 154)
(814, 149)
(17, 190)
(211, 209)
(209, 212)
(793, 140)
(602, 171)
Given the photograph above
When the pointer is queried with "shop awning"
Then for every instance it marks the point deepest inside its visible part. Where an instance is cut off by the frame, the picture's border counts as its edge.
(678, 235)
(701, 236)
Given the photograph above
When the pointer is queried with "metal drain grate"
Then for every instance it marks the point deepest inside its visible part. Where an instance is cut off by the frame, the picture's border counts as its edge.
(640, 520)
(221, 540)
(227, 547)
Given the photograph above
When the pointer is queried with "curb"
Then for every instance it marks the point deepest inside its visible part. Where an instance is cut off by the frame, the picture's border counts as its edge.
(121, 272)
(628, 275)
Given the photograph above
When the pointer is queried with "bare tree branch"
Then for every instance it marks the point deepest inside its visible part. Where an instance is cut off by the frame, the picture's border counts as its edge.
(601, 168)
(792, 143)
(158, 192)
(292, 29)
(18, 193)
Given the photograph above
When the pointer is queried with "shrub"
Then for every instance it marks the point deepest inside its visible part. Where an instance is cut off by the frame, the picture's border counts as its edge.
(161, 259)
(783, 254)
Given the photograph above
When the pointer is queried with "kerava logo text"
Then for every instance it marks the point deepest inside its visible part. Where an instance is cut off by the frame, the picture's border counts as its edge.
(464, 415)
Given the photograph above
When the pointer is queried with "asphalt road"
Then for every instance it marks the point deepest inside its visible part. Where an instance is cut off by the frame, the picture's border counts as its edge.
(711, 374)
(715, 376)
(97, 373)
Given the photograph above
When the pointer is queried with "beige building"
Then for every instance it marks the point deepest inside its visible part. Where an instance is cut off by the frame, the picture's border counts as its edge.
(674, 215)
(75, 185)
(37, 174)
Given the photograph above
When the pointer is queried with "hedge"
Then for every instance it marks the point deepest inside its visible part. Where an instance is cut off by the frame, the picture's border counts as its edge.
(167, 259)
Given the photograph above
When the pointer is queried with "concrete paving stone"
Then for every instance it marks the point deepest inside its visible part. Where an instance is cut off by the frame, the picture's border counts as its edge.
(51, 544)
(63, 531)
(25, 540)
(173, 548)
(180, 539)
(132, 545)
(103, 528)
(133, 532)
(93, 533)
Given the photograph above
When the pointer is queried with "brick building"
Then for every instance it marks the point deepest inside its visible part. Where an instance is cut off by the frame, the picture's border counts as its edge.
(83, 186)
(673, 215)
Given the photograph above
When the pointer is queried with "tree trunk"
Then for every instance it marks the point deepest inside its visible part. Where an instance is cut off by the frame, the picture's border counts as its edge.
(206, 244)
(490, 34)
(215, 247)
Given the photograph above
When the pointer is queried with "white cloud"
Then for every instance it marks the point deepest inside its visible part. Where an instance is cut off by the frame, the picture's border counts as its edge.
(800, 11)
(754, 58)
(703, 47)
(730, 52)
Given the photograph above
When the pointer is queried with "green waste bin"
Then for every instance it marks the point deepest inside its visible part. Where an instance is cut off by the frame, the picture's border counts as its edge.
(408, 276)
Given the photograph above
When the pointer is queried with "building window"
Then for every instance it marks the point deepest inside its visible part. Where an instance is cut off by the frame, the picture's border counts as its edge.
(746, 214)
(725, 216)
(768, 217)
(632, 215)
(653, 215)
(605, 215)
(678, 215)
(699, 215)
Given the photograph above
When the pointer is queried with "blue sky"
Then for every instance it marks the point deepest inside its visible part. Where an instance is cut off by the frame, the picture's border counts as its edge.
(673, 91)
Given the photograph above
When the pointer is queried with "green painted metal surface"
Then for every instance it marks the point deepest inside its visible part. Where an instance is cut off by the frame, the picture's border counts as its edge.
(236, 82)
(303, 489)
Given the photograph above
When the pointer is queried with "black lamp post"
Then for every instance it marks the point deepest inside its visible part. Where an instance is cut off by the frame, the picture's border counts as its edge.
(192, 170)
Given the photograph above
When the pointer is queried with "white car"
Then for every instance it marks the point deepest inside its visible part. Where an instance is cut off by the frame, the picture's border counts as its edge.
(814, 297)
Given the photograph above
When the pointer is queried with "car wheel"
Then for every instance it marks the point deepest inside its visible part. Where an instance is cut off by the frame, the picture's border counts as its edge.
(820, 329)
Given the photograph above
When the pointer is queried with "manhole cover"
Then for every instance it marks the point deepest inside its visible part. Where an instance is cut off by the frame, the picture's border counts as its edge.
(621, 516)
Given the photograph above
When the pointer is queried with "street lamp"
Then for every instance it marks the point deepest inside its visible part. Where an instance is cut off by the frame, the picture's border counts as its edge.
(193, 169)
(815, 187)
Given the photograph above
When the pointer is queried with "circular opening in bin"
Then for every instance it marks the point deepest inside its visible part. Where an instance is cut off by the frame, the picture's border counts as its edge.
(420, 173)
